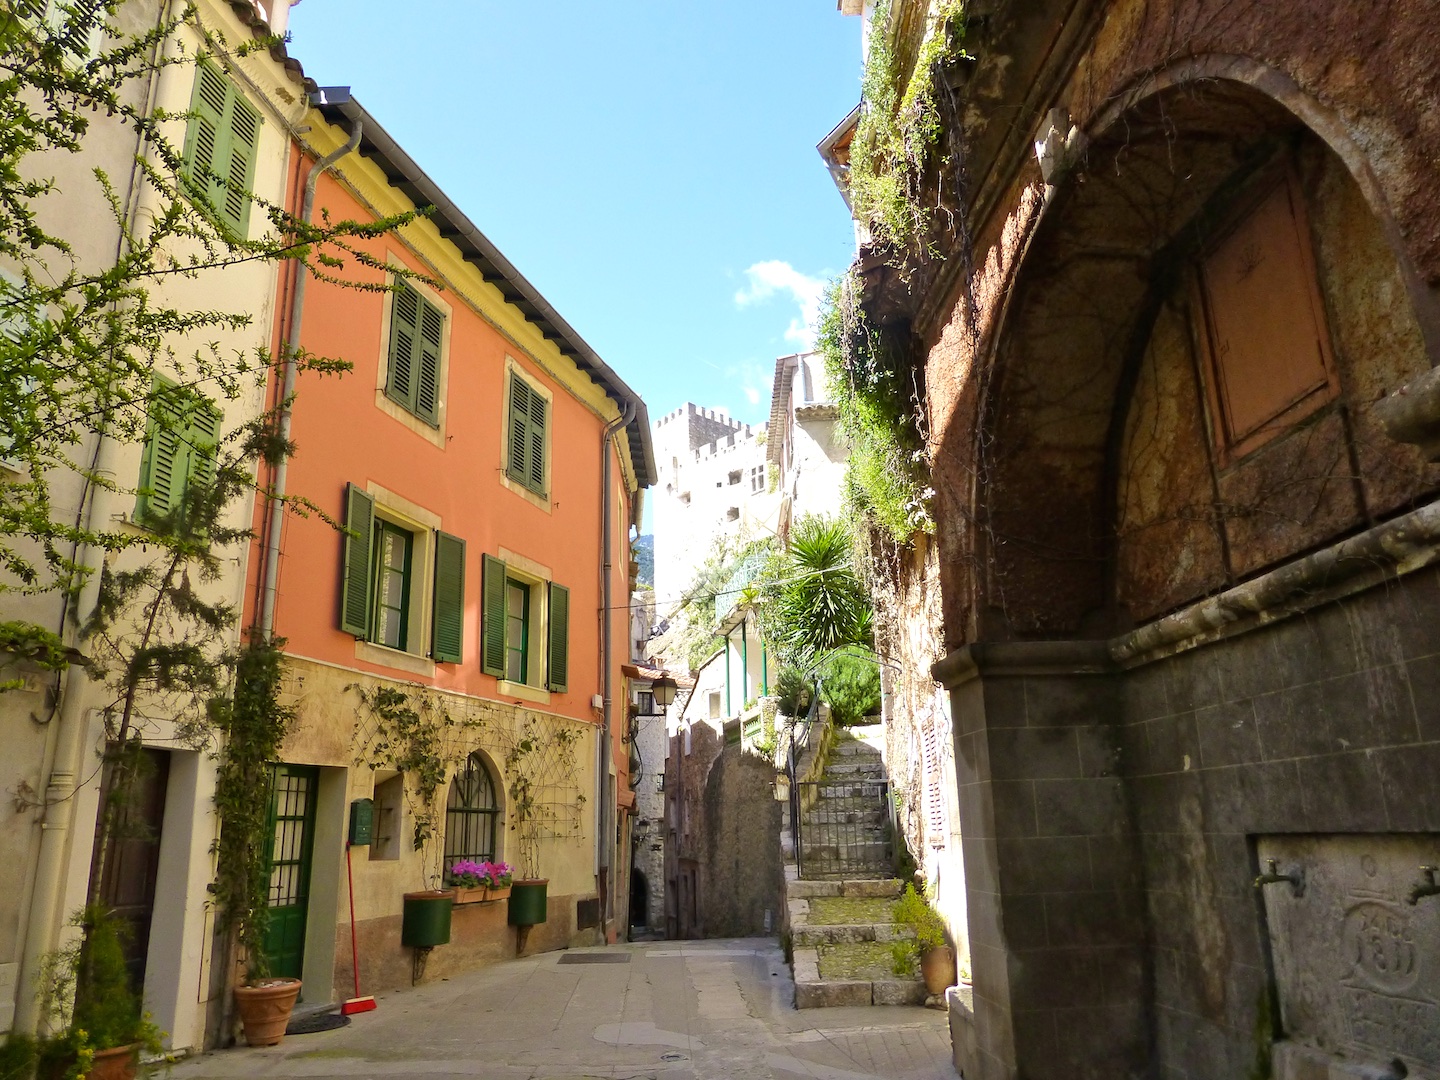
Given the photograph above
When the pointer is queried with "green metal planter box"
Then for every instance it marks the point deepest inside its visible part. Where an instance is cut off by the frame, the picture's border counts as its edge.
(527, 902)
(427, 919)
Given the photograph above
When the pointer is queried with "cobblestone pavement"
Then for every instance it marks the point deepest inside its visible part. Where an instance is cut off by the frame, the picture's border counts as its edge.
(665, 1011)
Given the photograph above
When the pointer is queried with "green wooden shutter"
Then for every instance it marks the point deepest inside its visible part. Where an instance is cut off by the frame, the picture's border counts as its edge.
(535, 463)
(519, 426)
(202, 434)
(404, 329)
(559, 644)
(220, 147)
(528, 421)
(355, 590)
(427, 363)
(449, 598)
(207, 139)
(492, 633)
(166, 461)
(239, 170)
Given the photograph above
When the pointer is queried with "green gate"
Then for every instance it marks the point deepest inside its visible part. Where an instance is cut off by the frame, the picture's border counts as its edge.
(292, 840)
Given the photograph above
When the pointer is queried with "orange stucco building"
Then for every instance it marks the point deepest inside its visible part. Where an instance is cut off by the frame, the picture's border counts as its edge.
(457, 623)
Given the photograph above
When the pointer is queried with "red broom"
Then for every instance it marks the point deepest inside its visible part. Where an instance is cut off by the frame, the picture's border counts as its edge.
(357, 1004)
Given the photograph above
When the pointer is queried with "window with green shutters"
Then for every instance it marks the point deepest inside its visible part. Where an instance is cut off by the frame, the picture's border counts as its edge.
(180, 448)
(81, 23)
(413, 365)
(510, 621)
(220, 145)
(526, 431)
(383, 562)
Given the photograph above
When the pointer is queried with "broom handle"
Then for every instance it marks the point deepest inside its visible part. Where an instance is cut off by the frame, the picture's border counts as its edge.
(354, 949)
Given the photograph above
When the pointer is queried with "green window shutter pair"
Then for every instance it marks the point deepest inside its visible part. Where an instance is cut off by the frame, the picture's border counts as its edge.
(492, 645)
(180, 449)
(527, 432)
(416, 328)
(220, 147)
(356, 592)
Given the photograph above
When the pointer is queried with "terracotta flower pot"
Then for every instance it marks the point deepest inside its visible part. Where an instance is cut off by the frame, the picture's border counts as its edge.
(497, 892)
(265, 1009)
(937, 968)
(469, 894)
(117, 1063)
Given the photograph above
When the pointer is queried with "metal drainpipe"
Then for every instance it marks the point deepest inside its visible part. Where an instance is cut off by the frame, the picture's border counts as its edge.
(270, 579)
(603, 838)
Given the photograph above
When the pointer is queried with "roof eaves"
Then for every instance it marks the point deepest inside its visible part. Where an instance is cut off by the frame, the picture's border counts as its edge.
(405, 174)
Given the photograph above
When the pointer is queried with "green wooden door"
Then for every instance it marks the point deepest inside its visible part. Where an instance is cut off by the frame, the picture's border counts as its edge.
(292, 840)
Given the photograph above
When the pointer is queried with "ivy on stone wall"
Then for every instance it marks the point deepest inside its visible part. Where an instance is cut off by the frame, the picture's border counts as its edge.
(881, 407)
(899, 126)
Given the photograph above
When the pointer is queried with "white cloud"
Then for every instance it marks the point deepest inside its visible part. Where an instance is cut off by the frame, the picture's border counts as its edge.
(752, 394)
(772, 277)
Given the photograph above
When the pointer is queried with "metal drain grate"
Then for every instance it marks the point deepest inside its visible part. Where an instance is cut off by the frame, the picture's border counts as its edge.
(595, 958)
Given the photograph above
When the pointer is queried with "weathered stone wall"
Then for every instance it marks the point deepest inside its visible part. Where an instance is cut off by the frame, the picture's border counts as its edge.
(1115, 787)
(723, 825)
(743, 895)
(1113, 819)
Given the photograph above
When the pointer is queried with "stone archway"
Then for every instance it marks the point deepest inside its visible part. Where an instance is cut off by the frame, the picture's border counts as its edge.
(1081, 528)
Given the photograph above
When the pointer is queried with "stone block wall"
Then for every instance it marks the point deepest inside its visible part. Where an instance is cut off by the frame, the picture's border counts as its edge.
(1112, 824)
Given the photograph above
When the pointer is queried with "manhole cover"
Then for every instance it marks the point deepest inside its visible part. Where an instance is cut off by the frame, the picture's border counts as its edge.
(595, 958)
(309, 1025)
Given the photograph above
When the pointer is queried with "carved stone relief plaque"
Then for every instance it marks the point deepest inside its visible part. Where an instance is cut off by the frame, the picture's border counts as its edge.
(1357, 966)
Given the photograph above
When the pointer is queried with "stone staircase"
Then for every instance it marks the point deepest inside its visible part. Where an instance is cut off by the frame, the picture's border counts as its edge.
(846, 831)
(843, 941)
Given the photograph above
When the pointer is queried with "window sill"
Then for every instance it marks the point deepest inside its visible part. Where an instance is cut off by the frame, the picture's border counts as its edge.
(431, 433)
(539, 501)
(385, 656)
(506, 688)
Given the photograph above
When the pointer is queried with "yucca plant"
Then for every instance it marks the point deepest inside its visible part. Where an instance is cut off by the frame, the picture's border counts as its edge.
(814, 603)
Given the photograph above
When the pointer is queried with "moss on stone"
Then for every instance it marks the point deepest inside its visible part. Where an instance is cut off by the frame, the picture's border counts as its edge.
(850, 911)
(861, 960)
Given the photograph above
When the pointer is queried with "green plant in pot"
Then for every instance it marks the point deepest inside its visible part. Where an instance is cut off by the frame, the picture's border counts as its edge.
(253, 722)
(536, 759)
(937, 958)
(88, 998)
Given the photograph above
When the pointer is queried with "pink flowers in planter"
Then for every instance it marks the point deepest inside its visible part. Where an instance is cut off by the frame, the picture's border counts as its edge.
(469, 874)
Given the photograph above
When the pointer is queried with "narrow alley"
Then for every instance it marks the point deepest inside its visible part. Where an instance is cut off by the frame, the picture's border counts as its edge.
(661, 1011)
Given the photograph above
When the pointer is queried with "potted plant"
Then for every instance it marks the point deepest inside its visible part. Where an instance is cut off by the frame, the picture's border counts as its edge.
(253, 722)
(533, 760)
(472, 882)
(88, 993)
(937, 958)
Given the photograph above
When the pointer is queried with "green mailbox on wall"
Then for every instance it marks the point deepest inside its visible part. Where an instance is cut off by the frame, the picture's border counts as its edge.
(362, 822)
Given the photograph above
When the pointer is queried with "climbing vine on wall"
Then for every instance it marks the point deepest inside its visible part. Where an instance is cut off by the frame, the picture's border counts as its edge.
(425, 736)
(900, 125)
(881, 404)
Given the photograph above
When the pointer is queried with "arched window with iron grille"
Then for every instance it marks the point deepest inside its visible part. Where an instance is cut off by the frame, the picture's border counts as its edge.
(472, 814)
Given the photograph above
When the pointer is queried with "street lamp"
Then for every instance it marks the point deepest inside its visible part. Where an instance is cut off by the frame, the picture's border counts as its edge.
(664, 690)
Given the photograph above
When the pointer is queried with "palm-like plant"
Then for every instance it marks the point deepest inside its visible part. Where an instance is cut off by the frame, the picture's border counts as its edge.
(814, 603)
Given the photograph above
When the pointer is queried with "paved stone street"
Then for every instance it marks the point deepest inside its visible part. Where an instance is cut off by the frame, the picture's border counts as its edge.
(672, 1010)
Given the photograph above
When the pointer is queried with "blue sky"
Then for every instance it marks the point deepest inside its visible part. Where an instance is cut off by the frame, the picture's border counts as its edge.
(649, 165)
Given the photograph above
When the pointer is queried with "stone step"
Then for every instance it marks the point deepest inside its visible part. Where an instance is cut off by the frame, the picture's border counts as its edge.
(811, 935)
(882, 887)
(854, 748)
(873, 984)
(873, 770)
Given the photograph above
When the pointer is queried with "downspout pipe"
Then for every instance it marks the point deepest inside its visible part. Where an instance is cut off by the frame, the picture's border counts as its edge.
(604, 838)
(269, 588)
